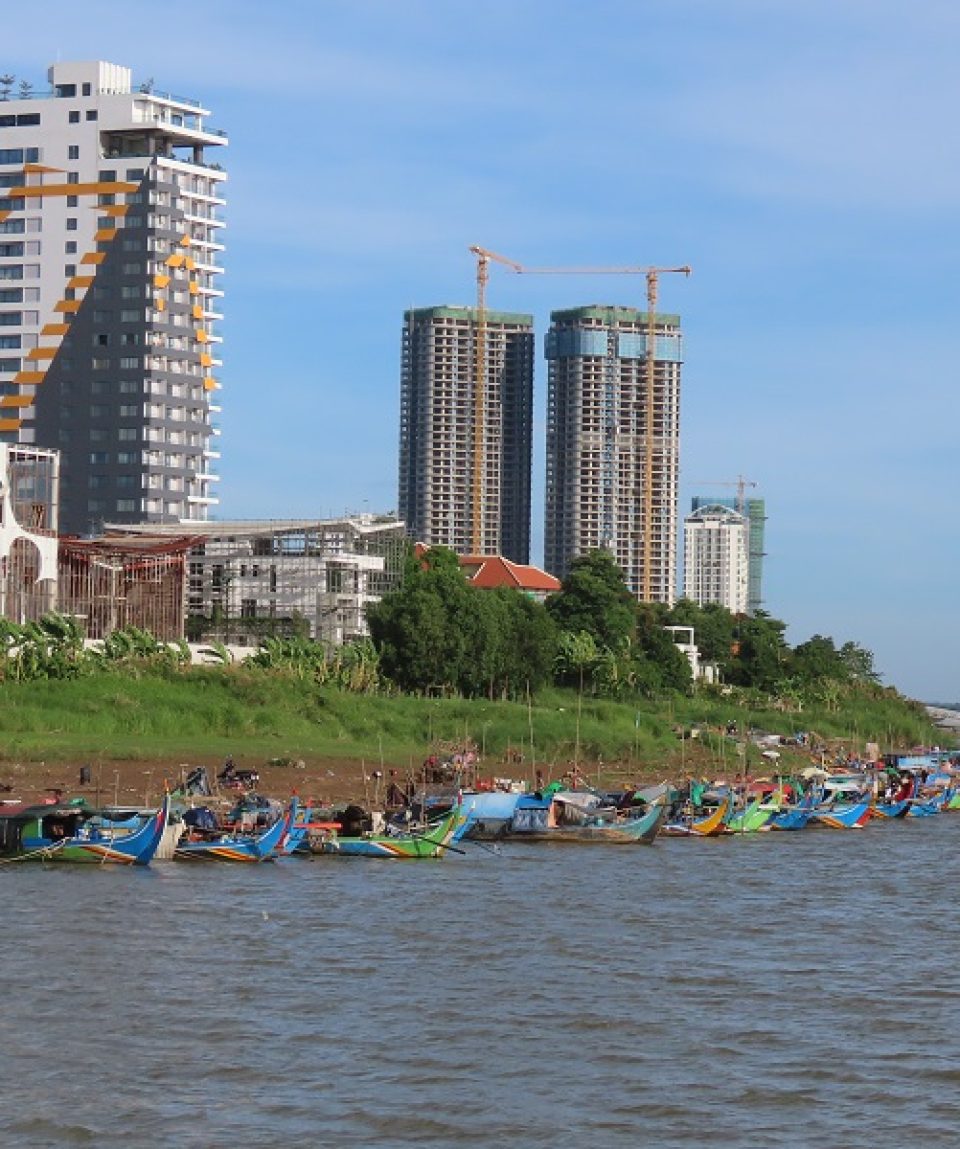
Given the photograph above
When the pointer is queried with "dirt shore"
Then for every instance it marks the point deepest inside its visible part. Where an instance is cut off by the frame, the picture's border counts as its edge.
(327, 782)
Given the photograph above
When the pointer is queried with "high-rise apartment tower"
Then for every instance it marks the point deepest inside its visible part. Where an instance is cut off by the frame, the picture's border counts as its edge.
(441, 439)
(716, 557)
(755, 511)
(110, 210)
(598, 443)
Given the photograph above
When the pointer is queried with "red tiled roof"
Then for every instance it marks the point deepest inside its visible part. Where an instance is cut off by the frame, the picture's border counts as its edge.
(489, 571)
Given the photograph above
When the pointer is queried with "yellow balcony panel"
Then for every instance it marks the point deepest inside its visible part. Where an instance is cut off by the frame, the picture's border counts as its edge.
(30, 377)
(191, 264)
(3, 215)
(16, 401)
(9, 424)
(117, 210)
(41, 352)
(95, 257)
(175, 260)
(161, 281)
(80, 280)
(206, 360)
(194, 288)
(55, 329)
(105, 234)
(197, 311)
(41, 190)
(67, 306)
(202, 336)
(31, 168)
(160, 304)
(186, 241)
(210, 384)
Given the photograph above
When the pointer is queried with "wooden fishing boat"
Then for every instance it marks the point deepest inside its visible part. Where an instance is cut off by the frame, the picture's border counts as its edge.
(559, 818)
(431, 842)
(844, 815)
(754, 817)
(708, 825)
(244, 848)
(73, 833)
(795, 816)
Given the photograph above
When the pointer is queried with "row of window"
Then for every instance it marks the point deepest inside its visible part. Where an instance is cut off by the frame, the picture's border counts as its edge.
(19, 155)
(20, 120)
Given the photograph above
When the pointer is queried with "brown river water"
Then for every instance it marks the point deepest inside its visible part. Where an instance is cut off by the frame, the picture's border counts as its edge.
(769, 990)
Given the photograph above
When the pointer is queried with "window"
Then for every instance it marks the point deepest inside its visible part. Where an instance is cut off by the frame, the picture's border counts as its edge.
(34, 224)
(127, 457)
(66, 91)
(31, 270)
(129, 387)
(99, 457)
(71, 223)
(135, 173)
(11, 272)
(11, 318)
(73, 152)
(98, 410)
(108, 176)
(70, 247)
(126, 505)
(12, 226)
(101, 338)
(132, 292)
(131, 316)
(14, 249)
(100, 364)
(133, 269)
(73, 177)
(127, 482)
(130, 338)
(11, 155)
(71, 201)
(32, 247)
(31, 318)
(69, 270)
(129, 361)
(127, 434)
(92, 114)
(129, 410)
(100, 387)
(11, 294)
(101, 316)
(9, 342)
(86, 89)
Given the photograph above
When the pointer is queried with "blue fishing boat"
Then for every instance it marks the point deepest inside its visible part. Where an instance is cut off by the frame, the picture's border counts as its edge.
(795, 816)
(73, 833)
(429, 842)
(238, 847)
(580, 816)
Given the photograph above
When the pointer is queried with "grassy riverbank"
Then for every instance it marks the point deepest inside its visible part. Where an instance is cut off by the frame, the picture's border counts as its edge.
(203, 714)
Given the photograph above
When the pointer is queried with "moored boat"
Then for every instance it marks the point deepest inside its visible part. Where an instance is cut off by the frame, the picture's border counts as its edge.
(238, 847)
(431, 842)
(578, 816)
(74, 833)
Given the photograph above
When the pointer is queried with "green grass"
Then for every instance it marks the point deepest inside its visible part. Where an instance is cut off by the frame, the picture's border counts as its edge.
(208, 712)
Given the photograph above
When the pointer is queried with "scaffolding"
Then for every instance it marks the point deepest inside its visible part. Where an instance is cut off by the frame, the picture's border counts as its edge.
(111, 584)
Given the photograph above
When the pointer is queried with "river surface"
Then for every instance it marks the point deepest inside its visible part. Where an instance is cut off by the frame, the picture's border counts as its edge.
(770, 990)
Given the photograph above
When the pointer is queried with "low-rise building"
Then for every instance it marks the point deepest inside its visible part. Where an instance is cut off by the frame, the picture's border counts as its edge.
(313, 578)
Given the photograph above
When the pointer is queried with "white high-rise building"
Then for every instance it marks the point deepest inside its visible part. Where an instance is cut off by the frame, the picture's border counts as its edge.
(110, 257)
(716, 558)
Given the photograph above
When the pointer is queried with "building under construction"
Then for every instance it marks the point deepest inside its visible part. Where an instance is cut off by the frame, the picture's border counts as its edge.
(466, 442)
(613, 443)
(309, 578)
(111, 584)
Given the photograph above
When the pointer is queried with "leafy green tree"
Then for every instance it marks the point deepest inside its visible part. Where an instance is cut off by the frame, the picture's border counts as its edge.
(594, 598)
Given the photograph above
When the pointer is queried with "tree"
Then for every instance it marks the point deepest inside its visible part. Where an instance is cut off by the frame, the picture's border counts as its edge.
(594, 598)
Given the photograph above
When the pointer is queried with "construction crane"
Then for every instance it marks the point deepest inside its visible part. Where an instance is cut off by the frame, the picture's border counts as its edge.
(740, 483)
(480, 387)
(652, 274)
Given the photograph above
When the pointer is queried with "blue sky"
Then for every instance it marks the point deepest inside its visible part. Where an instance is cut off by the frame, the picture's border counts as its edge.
(802, 158)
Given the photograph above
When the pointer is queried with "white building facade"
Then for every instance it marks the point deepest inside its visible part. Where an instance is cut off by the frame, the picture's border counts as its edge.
(110, 257)
(716, 560)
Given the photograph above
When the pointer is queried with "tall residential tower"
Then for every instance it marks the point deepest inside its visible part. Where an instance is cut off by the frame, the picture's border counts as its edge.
(755, 512)
(716, 557)
(600, 449)
(442, 439)
(110, 210)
